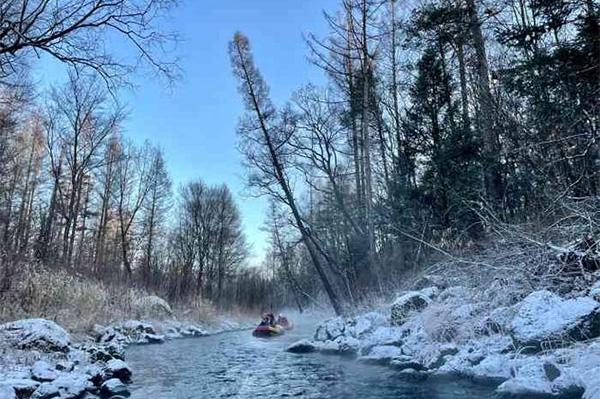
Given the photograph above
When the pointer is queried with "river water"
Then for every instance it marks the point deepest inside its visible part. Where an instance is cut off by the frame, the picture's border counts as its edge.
(237, 365)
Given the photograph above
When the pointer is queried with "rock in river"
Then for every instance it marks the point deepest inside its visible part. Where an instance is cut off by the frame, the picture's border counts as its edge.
(116, 368)
(302, 346)
(114, 386)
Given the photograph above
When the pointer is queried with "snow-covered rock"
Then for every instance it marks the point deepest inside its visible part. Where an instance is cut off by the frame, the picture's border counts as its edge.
(382, 354)
(152, 306)
(347, 345)
(330, 329)
(405, 362)
(114, 386)
(499, 320)
(413, 301)
(545, 317)
(116, 368)
(302, 346)
(154, 338)
(22, 386)
(495, 368)
(7, 392)
(595, 291)
(383, 336)
(365, 323)
(530, 378)
(39, 334)
(46, 391)
(42, 371)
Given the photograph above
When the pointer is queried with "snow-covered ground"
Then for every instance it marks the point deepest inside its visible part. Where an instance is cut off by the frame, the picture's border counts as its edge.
(41, 360)
(541, 345)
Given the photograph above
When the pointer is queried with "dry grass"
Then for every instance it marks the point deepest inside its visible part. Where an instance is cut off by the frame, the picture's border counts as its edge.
(78, 303)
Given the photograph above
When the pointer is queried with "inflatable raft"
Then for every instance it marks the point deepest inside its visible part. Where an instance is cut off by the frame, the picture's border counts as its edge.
(267, 331)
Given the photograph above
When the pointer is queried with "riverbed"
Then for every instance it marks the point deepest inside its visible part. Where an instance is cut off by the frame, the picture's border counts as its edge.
(237, 365)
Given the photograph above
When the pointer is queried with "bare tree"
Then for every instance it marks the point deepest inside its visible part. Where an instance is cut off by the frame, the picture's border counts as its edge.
(264, 136)
(132, 185)
(76, 32)
(78, 124)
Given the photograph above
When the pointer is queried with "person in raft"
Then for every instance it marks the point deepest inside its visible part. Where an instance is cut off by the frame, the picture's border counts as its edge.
(282, 320)
(268, 320)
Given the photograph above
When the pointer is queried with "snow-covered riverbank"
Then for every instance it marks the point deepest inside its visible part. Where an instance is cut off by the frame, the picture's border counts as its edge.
(541, 345)
(41, 360)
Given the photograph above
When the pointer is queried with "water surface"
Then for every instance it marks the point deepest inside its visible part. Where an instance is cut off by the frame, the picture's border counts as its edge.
(237, 365)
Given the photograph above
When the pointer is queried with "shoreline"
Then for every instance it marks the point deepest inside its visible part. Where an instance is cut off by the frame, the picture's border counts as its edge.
(41, 360)
(541, 345)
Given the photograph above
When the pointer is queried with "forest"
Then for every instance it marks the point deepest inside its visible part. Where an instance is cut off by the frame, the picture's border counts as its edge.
(442, 123)
(428, 178)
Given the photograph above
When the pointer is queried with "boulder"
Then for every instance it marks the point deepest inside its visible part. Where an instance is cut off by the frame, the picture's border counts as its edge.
(382, 354)
(383, 336)
(540, 376)
(136, 326)
(72, 385)
(302, 346)
(193, 331)
(40, 334)
(404, 362)
(347, 345)
(595, 291)
(94, 374)
(22, 386)
(544, 317)
(413, 301)
(42, 371)
(65, 366)
(152, 306)
(494, 369)
(7, 392)
(46, 391)
(116, 368)
(331, 329)
(365, 323)
(114, 386)
(154, 338)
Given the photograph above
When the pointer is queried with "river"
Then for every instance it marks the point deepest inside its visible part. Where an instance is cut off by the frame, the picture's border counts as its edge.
(237, 365)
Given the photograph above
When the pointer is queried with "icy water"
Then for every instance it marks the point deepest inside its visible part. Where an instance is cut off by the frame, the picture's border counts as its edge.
(237, 365)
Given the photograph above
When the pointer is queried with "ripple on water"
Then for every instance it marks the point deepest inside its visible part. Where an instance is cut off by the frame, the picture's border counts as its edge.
(236, 365)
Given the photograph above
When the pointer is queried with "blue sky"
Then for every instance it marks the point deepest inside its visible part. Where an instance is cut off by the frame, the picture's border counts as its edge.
(195, 122)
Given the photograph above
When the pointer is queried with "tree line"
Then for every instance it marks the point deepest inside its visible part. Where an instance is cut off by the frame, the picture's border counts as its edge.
(437, 117)
(75, 193)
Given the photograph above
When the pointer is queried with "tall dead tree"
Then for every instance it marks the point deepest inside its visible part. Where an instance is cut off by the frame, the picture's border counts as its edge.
(263, 144)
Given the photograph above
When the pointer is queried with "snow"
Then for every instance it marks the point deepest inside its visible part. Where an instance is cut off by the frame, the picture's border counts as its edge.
(382, 354)
(46, 390)
(41, 334)
(457, 332)
(530, 379)
(595, 291)
(118, 369)
(42, 371)
(21, 385)
(494, 368)
(114, 386)
(410, 302)
(7, 392)
(330, 329)
(365, 323)
(544, 315)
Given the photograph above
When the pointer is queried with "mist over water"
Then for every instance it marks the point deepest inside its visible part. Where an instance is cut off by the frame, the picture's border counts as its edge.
(238, 365)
